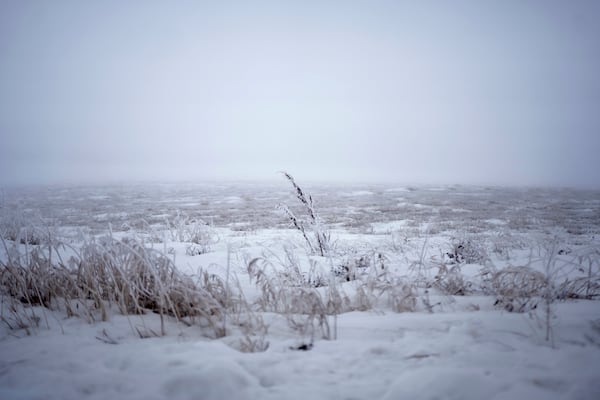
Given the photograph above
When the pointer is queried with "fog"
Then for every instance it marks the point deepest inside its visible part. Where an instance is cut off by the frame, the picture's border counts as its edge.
(439, 92)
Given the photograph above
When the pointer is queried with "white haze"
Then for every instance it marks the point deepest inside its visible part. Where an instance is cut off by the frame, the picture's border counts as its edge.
(475, 92)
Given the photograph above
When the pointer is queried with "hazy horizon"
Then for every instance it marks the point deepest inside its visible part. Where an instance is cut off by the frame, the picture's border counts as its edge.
(428, 92)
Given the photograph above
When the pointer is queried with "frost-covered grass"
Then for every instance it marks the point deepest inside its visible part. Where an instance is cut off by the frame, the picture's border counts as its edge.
(200, 291)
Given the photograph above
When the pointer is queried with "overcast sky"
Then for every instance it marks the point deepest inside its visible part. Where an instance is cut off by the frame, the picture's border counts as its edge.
(475, 92)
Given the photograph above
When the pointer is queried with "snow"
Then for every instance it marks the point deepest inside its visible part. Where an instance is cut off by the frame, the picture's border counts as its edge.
(359, 193)
(387, 227)
(398, 189)
(465, 349)
(453, 355)
(233, 199)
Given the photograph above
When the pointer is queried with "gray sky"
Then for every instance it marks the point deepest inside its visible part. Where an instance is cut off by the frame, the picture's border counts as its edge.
(483, 92)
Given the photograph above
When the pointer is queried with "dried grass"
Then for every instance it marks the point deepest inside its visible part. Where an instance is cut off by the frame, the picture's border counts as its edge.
(318, 239)
(108, 274)
(518, 288)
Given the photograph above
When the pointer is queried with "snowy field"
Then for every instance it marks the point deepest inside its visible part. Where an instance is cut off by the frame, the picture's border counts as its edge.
(248, 291)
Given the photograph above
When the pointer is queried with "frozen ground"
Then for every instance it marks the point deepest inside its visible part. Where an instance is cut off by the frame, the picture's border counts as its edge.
(454, 342)
(446, 355)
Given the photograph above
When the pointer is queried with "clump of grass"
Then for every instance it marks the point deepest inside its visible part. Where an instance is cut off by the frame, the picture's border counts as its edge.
(467, 250)
(518, 289)
(588, 285)
(303, 308)
(580, 288)
(306, 308)
(17, 227)
(251, 324)
(503, 243)
(353, 266)
(107, 274)
(451, 281)
(399, 294)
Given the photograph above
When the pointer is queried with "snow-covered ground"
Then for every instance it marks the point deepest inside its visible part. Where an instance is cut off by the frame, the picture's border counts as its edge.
(462, 345)
(445, 355)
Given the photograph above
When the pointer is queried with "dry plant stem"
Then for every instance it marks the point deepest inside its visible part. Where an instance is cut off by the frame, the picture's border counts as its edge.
(549, 294)
(323, 239)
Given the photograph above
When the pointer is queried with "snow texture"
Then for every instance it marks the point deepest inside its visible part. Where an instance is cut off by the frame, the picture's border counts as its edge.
(466, 349)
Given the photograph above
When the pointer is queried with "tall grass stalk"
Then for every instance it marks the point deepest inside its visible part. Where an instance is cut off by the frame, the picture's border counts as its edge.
(319, 242)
